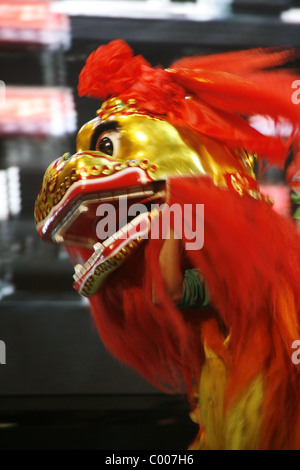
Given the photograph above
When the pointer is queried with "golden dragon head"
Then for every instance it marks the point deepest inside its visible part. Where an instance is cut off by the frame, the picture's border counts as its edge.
(152, 126)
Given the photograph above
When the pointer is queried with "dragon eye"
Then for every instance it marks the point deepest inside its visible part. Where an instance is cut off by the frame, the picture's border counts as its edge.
(108, 143)
(106, 146)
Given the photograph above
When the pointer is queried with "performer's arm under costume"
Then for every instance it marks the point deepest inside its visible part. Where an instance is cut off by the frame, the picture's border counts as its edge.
(188, 289)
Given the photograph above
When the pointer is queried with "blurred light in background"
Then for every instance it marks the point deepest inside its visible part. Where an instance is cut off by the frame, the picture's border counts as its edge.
(33, 22)
(10, 192)
(37, 111)
(37, 114)
(4, 206)
(197, 10)
(14, 190)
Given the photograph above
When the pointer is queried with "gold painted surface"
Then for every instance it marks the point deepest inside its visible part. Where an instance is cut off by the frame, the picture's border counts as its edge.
(244, 419)
(239, 427)
(84, 136)
(212, 388)
(147, 142)
(176, 151)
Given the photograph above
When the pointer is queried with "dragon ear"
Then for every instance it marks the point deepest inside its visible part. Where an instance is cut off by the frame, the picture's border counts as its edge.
(110, 70)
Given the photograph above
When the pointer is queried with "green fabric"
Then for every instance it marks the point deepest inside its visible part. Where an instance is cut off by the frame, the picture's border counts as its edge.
(296, 199)
(297, 214)
(194, 291)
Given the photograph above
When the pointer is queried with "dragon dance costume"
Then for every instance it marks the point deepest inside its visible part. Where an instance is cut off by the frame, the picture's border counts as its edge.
(182, 136)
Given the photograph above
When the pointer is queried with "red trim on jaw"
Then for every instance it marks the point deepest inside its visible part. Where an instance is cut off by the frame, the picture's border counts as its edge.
(123, 180)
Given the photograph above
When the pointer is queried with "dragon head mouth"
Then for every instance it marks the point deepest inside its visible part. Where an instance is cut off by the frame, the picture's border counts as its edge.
(124, 157)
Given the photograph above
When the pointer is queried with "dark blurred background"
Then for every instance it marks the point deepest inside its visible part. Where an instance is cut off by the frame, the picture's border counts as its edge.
(59, 388)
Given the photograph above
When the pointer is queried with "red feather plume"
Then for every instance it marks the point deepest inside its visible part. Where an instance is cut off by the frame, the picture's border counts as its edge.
(225, 90)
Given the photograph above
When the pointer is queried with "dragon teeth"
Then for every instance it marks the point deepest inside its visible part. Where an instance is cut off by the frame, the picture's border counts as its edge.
(78, 269)
(88, 264)
(98, 248)
(81, 270)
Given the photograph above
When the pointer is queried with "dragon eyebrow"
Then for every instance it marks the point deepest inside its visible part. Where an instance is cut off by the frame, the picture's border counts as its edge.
(103, 127)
